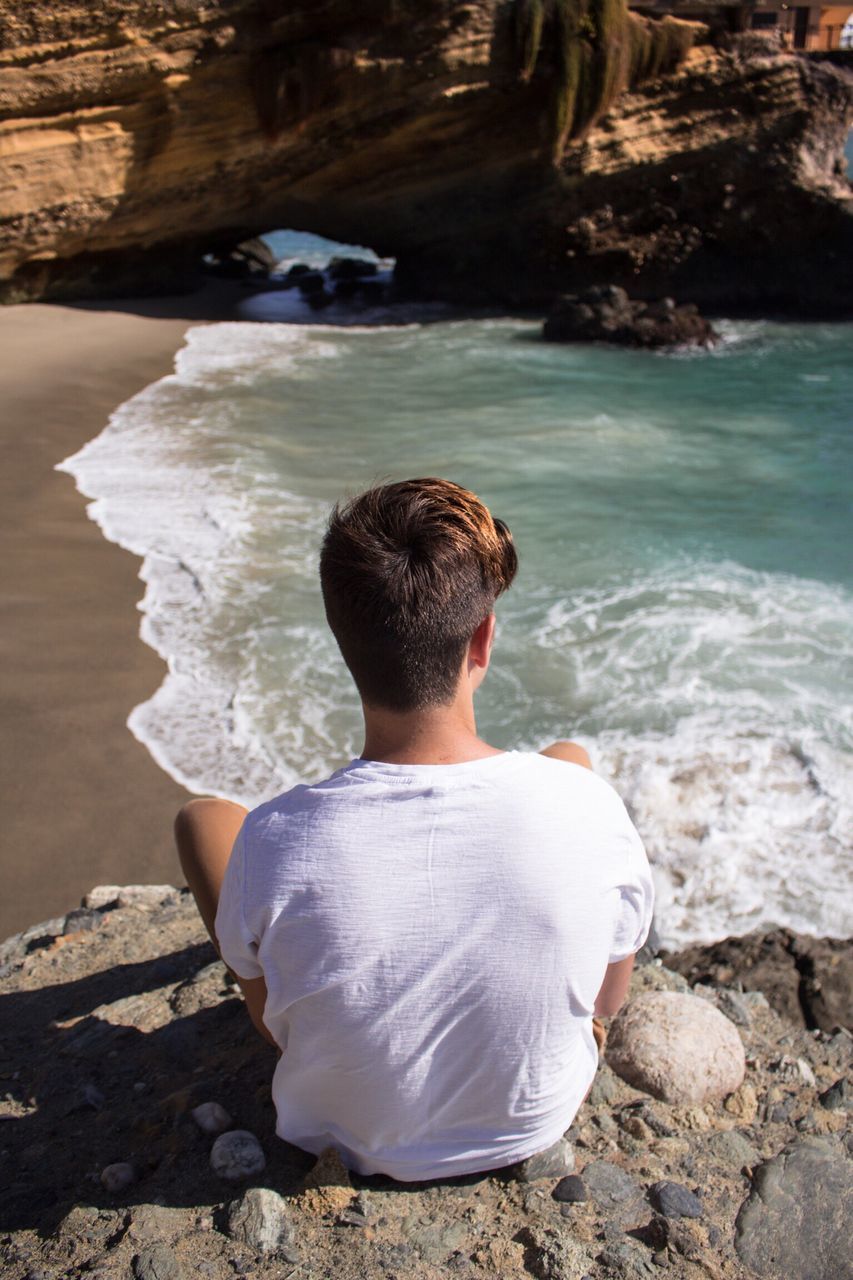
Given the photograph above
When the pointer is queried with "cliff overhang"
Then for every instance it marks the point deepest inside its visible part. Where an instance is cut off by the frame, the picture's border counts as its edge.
(501, 150)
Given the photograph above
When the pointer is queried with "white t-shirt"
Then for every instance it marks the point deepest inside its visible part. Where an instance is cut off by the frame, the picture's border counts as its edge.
(433, 938)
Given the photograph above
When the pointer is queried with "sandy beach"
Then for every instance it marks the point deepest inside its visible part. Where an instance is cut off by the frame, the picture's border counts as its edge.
(85, 803)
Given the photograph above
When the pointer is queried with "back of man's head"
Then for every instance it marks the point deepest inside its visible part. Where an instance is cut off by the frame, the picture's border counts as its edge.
(409, 571)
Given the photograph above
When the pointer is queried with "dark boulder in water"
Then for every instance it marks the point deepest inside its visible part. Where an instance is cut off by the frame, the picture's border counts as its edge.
(351, 268)
(310, 282)
(807, 980)
(249, 260)
(368, 290)
(605, 313)
(318, 299)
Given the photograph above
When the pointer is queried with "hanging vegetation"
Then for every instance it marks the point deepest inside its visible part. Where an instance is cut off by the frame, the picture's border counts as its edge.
(289, 82)
(529, 19)
(591, 50)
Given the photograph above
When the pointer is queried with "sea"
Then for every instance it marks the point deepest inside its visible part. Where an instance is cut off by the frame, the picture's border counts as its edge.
(684, 605)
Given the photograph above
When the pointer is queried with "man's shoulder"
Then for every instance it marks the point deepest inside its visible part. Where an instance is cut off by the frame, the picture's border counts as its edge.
(563, 777)
(287, 804)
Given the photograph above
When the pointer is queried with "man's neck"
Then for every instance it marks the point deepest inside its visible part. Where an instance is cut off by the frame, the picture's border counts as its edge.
(438, 735)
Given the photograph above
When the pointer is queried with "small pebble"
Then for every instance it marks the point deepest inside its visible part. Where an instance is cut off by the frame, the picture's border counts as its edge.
(554, 1162)
(115, 1177)
(675, 1201)
(609, 1185)
(93, 1097)
(735, 1007)
(157, 1262)
(838, 1097)
(211, 1117)
(570, 1190)
(357, 1212)
(237, 1155)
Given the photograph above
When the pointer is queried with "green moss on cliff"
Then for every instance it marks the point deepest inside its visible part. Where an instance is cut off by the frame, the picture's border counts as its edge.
(529, 19)
(590, 51)
(291, 82)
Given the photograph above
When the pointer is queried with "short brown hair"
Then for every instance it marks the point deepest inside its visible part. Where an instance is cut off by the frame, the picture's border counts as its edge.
(409, 571)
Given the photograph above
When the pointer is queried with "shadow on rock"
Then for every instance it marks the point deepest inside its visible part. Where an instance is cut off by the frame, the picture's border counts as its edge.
(108, 1069)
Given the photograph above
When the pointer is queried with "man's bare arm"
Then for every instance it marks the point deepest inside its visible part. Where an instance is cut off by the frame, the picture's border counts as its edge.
(614, 988)
(255, 993)
(617, 977)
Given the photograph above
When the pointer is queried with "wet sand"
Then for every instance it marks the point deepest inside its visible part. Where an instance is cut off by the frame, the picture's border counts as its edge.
(84, 801)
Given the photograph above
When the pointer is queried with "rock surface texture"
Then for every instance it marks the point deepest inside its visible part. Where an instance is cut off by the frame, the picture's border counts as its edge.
(676, 1047)
(134, 137)
(115, 1035)
(796, 1220)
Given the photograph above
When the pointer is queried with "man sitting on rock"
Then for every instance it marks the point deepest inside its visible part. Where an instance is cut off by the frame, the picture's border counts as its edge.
(427, 934)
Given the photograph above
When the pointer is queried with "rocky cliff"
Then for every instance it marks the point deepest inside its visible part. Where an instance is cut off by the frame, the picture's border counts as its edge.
(501, 150)
(714, 1142)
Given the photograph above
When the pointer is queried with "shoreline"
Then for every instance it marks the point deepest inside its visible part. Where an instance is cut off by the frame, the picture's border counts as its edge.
(97, 352)
(85, 800)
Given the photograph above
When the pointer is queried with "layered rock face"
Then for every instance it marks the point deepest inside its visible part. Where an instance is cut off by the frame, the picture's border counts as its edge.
(134, 137)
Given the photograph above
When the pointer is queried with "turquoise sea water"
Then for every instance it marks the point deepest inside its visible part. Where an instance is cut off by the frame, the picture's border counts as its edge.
(685, 599)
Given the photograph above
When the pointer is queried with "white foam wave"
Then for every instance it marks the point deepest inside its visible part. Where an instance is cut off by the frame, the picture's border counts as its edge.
(175, 496)
(714, 697)
(744, 829)
(729, 696)
(687, 636)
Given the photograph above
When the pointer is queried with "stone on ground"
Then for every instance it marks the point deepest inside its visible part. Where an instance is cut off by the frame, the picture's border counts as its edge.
(157, 1262)
(838, 1097)
(554, 1162)
(675, 1201)
(211, 1117)
(796, 1220)
(609, 1185)
(237, 1155)
(260, 1220)
(678, 1048)
(115, 1177)
(570, 1190)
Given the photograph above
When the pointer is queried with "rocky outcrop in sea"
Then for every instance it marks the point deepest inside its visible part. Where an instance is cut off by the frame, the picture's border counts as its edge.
(605, 313)
(137, 1133)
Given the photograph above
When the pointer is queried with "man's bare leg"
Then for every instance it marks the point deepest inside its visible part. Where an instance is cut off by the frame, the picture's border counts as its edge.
(205, 831)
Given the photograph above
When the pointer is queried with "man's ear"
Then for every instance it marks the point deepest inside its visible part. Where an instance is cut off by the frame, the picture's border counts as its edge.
(480, 648)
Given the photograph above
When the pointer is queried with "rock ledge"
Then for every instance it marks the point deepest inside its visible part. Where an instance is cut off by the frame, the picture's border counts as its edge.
(122, 1031)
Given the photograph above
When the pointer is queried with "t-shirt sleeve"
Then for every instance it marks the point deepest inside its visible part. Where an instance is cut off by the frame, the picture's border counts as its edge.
(636, 899)
(238, 947)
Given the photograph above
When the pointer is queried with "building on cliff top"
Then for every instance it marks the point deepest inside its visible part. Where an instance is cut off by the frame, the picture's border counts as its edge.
(812, 27)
